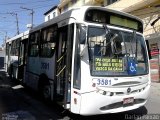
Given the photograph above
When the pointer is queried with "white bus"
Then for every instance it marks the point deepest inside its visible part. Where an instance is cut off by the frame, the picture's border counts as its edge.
(90, 60)
(16, 48)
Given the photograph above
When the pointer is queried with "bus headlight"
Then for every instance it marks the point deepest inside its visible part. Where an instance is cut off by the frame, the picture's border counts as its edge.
(105, 92)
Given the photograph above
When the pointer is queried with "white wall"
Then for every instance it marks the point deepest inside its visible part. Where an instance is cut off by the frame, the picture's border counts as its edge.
(51, 14)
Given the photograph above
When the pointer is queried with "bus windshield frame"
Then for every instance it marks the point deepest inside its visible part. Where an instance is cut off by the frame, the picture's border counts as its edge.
(106, 59)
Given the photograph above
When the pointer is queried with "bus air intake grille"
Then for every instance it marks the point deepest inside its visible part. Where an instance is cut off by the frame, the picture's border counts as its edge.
(120, 104)
(126, 83)
(139, 90)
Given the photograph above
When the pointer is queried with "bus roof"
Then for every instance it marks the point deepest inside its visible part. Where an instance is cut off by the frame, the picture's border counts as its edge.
(23, 35)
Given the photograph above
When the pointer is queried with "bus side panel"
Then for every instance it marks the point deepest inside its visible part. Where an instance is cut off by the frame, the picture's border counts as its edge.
(31, 80)
(32, 72)
(75, 83)
(47, 66)
(33, 65)
(75, 102)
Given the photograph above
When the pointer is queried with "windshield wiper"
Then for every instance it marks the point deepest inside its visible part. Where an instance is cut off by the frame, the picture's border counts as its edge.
(111, 40)
(132, 43)
(127, 54)
(134, 38)
(113, 47)
(107, 31)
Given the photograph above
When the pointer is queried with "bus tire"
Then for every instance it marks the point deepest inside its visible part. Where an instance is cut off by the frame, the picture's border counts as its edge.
(44, 88)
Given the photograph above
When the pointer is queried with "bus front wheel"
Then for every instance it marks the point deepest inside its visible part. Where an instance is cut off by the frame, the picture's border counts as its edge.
(44, 89)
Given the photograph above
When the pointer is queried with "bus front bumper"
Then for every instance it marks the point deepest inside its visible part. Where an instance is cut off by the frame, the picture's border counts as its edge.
(94, 103)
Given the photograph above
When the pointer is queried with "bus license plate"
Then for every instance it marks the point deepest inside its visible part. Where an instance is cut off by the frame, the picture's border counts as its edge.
(128, 100)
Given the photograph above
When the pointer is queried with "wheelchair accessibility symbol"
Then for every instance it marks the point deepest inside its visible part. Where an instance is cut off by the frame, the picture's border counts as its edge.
(131, 67)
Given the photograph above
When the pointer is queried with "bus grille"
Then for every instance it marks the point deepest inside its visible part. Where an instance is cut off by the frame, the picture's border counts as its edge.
(120, 104)
(127, 83)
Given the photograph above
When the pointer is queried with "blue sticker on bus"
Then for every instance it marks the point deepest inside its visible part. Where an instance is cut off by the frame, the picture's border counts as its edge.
(132, 67)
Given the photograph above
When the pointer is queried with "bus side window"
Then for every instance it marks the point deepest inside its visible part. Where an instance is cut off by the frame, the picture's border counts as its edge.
(15, 47)
(33, 45)
(48, 44)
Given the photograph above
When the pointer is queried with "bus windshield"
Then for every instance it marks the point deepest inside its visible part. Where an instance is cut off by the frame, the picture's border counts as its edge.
(116, 53)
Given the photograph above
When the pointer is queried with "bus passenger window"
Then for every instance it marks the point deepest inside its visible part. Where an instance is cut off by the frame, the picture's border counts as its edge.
(33, 45)
(48, 43)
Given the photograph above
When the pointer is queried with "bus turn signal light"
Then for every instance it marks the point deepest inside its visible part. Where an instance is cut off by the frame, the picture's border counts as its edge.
(75, 100)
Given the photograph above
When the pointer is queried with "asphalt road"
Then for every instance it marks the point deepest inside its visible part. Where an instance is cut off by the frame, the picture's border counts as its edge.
(19, 103)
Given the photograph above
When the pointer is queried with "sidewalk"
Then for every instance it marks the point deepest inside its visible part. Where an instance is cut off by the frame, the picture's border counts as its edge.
(155, 88)
(153, 102)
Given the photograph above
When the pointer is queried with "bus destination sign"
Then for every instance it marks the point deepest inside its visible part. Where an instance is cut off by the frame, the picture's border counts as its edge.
(108, 64)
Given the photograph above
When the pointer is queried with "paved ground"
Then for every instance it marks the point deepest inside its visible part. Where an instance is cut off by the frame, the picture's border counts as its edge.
(18, 103)
(153, 104)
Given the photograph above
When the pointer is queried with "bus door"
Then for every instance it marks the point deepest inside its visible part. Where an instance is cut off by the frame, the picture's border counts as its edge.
(63, 65)
(21, 58)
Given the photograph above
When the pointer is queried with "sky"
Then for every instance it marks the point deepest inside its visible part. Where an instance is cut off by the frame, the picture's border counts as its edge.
(8, 21)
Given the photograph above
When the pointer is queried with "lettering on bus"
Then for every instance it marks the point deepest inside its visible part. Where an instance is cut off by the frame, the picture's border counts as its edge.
(108, 64)
(102, 81)
(44, 66)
